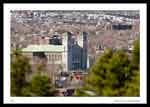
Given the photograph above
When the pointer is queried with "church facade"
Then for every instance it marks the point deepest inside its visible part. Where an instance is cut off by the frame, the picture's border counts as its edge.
(76, 50)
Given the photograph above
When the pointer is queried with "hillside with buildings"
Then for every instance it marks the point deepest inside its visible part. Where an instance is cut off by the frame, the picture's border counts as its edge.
(106, 29)
(71, 41)
(26, 24)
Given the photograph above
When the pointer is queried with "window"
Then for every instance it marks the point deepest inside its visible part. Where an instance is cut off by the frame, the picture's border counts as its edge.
(39, 54)
(75, 66)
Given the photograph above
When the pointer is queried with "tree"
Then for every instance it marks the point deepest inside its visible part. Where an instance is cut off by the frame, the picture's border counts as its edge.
(133, 87)
(112, 75)
(136, 53)
(19, 68)
(41, 85)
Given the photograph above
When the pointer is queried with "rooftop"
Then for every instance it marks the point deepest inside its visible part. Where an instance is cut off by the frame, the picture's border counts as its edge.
(44, 48)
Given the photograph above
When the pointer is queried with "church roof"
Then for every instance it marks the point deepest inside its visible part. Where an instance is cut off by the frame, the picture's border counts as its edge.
(44, 48)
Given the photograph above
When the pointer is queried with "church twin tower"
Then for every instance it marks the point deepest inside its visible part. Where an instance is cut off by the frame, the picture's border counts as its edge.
(75, 51)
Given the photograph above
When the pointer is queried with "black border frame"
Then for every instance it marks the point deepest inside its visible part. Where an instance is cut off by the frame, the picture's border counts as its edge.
(75, 1)
(60, 1)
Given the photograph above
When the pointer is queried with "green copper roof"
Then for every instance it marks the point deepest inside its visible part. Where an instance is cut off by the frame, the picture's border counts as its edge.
(44, 48)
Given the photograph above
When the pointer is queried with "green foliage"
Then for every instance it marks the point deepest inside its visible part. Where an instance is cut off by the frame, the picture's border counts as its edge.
(19, 68)
(85, 91)
(26, 90)
(114, 74)
(40, 85)
(39, 67)
(80, 93)
(136, 53)
(133, 87)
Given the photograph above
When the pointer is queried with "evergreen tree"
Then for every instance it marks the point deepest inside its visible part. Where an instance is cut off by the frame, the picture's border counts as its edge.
(19, 68)
(114, 74)
(136, 53)
(41, 85)
(133, 87)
